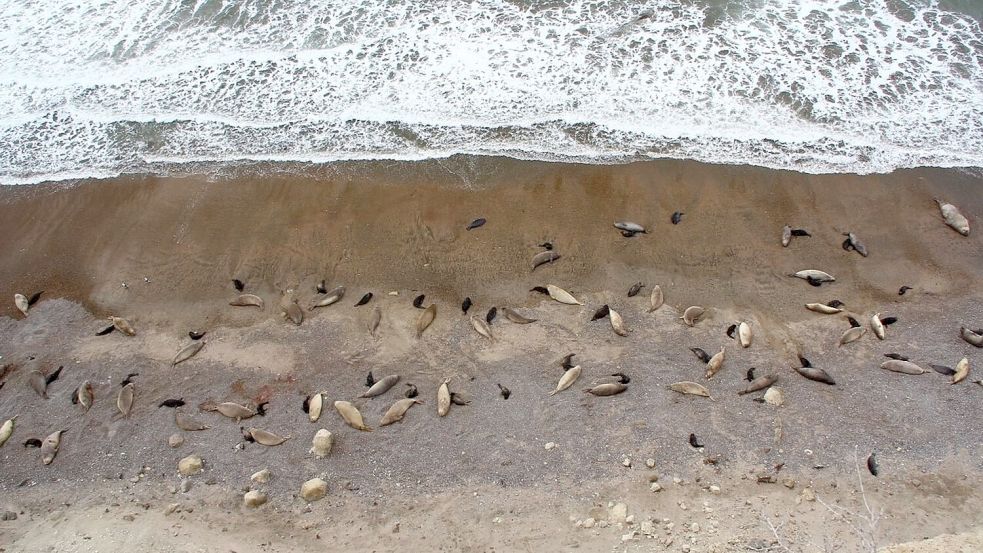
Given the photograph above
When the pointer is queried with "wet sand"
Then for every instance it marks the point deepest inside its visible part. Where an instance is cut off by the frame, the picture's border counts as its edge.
(401, 228)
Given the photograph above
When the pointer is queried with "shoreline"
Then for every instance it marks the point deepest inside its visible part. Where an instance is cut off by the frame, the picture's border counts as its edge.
(458, 478)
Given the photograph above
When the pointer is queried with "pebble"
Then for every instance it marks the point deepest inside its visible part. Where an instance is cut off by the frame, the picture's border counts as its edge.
(589, 523)
(630, 519)
(9, 515)
(602, 523)
(549, 446)
(254, 498)
(650, 463)
(626, 462)
(808, 494)
(261, 477)
(633, 535)
(192, 464)
(313, 489)
(175, 440)
(170, 509)
(694, 527)
(714, 489)
(677, 480)
(619, 513)
(774, 396)
(788, 483)
(655, 487)
(647, 527)
(135, 479)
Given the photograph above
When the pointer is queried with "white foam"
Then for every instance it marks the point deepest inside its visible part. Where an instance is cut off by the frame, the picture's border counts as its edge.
(810, 85)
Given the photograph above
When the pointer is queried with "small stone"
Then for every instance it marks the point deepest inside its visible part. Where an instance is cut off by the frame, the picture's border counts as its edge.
(647, 527)
(694, 527)
(685, 548)
(668, 541)
(589, 523)
(261, 477)
(789, 483)
(619, 513)
(172, 489)
(313, 489)
(655, 487)
(175, 440)
(396, 527)
(653, 477)
(774, 396)
(8, 515)
(626, 462)
(650, 463)
(322, 443)
(135, 479)
(170, 509)
(630, 519)
(808, 494)
(192, 464)
(602, 523)
(714, 488)
(186, 486)
(549, 446)
(254, 498)
(497, 520)
(394, 293)
(682, 505)
(633, 535)
(677, 480)
(129, 518)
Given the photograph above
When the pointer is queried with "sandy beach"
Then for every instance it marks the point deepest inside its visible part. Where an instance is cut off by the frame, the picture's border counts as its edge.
(785, 478)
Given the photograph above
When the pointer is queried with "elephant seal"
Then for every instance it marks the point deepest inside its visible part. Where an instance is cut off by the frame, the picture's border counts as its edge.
(617, 323)
(398, 411)
(569, 377)
(350, 414)
(692, 314)
(561, 295)
(542, 258)
(247, 300)
(425, 319)
(443, 399)
(188, 351)
(972, 337)
(515, 317)
(759, 383)
(953, 217)
(817, 375)
(49, 447)
(608, 389)
(382, 386)
(629, 226)
(329, 298)
(904, 367)
(656, 298)
(123, 326)
(690, 388)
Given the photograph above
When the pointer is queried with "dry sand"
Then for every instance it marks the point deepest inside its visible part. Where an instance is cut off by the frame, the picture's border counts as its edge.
(481, 479)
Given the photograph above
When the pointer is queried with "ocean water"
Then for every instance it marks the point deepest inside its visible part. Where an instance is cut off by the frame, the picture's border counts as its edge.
(99, 88)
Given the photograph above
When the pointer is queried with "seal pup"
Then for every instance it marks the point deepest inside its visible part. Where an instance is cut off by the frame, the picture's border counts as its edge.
(293, 312)
(418, 301)
(692, 314)
(83, 395)
(374, 320)
(490, 316)
(369, 380)
(677, 216)
(823, 308)
(567, 361)
(815, 374)
(852, 335)
(689, 388)
(505, 392)
(466, 304)
(238, 285)
(443, 398)
(953, 217)
(196, 335)
(329, 298)
(872, 465)
(877, 326)
(364, 299)
(635, 289)
(262, 437)
(7, 429)
(540, 289)
(786, 236)
(607, 389)
(481, 327)
(715, 364)
(398, 411)
(630, 227)
(231, 410)
(731, 331)
(123, 325)
(744, 334)
(749, 376)
(854, 244)
(459, 399)
(897, 356)
(695, 442)
(32, 442)
(561, 295)
(700, 354)
(569, 377)
(905, 367)
(515, 317)
(351, 415)
(106, 330)
(38, 383)
(903, 289)
(656, 298)
(601, 313)
(888, 321)
(49, 447)
(425, 319)
(411, 391)
(814, 276)
(20, 301)
(171, 403)
(617, 323)
(124, 400)
(972, 337)
(382, 386)
(962, 370)
(188, 351)
(321, 287)
(185, 422)
(247, 300)
(542, 258)
(477, 223)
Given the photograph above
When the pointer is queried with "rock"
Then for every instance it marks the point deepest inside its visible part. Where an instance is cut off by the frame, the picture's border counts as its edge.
(630, 519)
(714, 488)
(589, 523)
(175, 440)
(694, 527)
(788, 483)
(655, 487)
(322, 443)
(619, 513)
(647, 527)
(549, 446)
(677, 480)
(170, 509)
(685, 548)
(134, 480)
(626, 462)
(313, 489)
(8, 515)
(190, 465)
(650, 463)
(633, 535)
(186, 486)
(683, 506)
(602, 524)
(261, 477)
(808, 494)
(774, 396)
(254, 498)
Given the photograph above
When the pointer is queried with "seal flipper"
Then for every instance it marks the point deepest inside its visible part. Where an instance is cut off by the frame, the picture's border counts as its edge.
(261, 408)
(34, 298)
